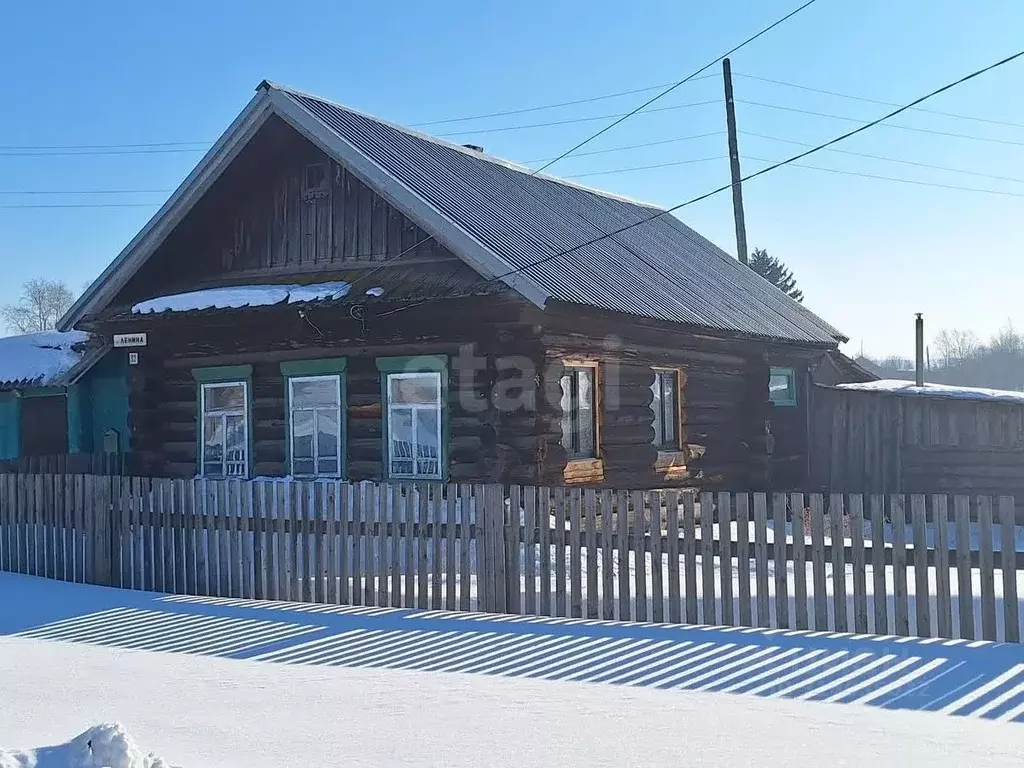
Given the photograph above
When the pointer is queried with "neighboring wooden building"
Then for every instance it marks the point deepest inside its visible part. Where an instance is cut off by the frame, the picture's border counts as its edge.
(894, 437)
(61, 393)
(329, 294)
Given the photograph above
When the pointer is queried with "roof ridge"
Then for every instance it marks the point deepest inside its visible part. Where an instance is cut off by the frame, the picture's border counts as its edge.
(504, 162)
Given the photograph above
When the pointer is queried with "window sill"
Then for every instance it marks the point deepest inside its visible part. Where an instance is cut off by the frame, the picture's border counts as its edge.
(672, 463)
(579, 471)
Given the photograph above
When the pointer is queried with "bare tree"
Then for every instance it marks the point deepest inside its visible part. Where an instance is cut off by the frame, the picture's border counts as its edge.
(40, 306)
(956, 347)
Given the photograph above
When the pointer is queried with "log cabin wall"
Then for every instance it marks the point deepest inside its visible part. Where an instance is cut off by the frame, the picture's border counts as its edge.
(487, 443)
(505, 425)
(724, 401)
(283, 209)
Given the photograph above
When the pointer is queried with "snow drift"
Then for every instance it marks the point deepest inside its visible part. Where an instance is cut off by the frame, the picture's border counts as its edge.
(103, 746)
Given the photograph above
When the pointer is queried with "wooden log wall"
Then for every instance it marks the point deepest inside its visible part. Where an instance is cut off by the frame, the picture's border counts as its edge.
(627, 420)
(487, 442)
(724, 399)
(787, 467)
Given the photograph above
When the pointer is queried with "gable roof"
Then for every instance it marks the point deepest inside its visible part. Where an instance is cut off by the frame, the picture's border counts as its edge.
(501, 218)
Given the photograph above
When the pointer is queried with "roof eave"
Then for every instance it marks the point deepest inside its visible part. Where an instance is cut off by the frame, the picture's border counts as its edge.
(149, 238)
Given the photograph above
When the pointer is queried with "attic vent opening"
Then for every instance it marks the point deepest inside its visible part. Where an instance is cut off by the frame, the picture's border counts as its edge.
(474, 147)
(315, 182)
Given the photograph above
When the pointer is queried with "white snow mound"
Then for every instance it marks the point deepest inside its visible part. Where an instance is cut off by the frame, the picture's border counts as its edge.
(103, 746)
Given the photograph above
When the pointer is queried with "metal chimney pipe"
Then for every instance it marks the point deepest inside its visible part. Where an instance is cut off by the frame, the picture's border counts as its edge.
(919, 333)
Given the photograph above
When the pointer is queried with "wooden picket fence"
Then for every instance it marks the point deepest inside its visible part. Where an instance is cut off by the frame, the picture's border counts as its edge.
(659, 556)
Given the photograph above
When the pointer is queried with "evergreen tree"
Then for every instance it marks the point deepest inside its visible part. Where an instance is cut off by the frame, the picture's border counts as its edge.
(775, 272)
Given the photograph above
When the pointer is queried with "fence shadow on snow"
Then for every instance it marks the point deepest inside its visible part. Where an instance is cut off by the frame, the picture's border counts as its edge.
(977, 679)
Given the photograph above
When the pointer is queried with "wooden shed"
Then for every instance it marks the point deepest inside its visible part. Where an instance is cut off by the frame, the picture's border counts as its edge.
(61, 393)
(329, 294)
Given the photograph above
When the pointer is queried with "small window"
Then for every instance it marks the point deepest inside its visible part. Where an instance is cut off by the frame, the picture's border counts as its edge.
(225, 429)
(315, 419)
(414, 403)
(782, 386)
(666, 409)
(579, 416)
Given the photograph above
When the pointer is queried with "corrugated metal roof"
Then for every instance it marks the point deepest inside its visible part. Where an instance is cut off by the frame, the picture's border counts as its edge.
(522, 218)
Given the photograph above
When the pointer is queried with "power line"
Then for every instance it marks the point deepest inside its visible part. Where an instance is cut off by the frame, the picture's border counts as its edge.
(571, 120)
(91, 152)
(889, 159)
(82, 205)
(893, 178)
(748, 177)
(85, 191)
(887, 125)
(879, 101)
(620, 118)
(671, 88)
(630, 146)
(109, 146)
(646, 167)
(543, 107)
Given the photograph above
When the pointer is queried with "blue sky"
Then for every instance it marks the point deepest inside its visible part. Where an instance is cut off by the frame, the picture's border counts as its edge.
(868, 253)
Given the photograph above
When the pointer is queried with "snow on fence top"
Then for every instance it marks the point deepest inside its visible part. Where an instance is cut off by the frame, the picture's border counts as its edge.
(240, 296)
(900, 387)
(39, 359)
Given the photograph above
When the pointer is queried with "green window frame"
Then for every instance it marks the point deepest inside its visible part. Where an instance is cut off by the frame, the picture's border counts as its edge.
(427, 368)
(309, 371)
(782, 386)
(209, 380)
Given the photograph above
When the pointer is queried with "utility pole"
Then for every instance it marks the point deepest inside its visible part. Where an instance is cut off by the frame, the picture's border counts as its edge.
(734, 165)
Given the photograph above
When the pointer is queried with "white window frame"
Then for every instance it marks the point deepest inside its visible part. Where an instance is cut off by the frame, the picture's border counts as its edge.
(292, 408)
(243, 412)
(438, 407)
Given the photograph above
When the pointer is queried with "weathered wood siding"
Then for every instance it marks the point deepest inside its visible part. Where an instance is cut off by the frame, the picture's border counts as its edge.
(889, 443)
(282, 208)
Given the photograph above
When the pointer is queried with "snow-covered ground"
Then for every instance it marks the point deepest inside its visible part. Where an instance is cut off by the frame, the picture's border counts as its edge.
(102, 746)
(72, 656)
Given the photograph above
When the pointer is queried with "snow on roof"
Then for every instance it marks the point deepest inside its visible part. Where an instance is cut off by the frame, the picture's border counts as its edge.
(239, 296)
(39, 359)
(901, 387)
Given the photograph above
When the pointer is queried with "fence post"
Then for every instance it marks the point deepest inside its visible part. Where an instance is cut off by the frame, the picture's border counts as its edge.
(494, 496)
(97, 492)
